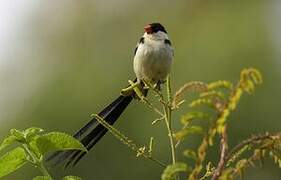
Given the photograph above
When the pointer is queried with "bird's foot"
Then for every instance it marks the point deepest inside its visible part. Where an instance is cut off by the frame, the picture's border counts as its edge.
(130, 89)
(153, 86)
(134, 88)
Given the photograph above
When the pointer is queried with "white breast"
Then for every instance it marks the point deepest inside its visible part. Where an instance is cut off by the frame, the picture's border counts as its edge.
(153, 60)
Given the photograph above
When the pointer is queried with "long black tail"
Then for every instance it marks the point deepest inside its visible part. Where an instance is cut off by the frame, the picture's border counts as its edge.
(92, 132)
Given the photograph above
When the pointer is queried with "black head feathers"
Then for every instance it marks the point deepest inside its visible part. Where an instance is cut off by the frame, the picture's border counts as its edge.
(154, 28)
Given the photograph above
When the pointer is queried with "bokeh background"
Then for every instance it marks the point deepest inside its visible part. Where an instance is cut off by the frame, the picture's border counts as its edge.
(62, 60)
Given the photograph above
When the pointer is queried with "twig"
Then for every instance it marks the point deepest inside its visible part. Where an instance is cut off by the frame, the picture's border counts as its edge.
(195, 86)
(150, 105)
(143, 99)
(168, 120)
(222, 161)
(127, 141)
(167, 108)
(251, 140)
(170, 134)
(157, 120)
(158, 93)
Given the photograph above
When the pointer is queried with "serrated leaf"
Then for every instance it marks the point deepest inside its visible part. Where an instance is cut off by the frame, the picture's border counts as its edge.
(12, 160)
(172, 170)
(42, 178)
(56, 141)
(8, 141)
(72, 178)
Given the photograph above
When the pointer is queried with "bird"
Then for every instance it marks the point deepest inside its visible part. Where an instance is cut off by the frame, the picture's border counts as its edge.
(152, 62)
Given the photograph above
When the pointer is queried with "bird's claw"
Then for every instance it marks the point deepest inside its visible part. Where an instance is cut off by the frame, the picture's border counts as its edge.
(128, 91)
(134, 88)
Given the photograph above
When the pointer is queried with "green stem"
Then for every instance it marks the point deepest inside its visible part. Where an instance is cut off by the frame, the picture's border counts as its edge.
(36, 161)
(168, 120)
(43, 169)
(124, 139)
(170, 134)
(169, 91)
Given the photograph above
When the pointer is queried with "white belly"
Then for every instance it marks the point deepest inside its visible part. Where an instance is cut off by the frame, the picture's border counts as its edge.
(152, 62)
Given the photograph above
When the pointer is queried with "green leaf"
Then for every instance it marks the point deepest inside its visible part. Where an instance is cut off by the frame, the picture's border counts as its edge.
(12, 160)
(18, 134)
(213, 94)
(220, 84)
(8, 141)
(32, 132)
(190, 154)
(202, 101)
(187, 118)
(34, 147)
(72, 178)
(189, 130)
(172, 170)
(42, 178)
(56, 141)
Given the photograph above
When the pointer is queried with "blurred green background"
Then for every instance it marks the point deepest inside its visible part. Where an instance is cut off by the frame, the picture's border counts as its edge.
(62, 60)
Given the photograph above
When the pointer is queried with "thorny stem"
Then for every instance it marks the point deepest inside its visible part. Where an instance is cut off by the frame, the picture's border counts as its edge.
(37, 161)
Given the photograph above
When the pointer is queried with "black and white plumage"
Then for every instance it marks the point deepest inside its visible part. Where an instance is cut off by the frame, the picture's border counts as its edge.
(154, 54)
(152, 62)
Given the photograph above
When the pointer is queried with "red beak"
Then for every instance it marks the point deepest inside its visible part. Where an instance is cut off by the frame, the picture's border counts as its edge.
(148, 29)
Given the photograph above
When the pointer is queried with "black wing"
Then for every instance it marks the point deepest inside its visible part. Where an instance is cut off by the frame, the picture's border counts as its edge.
(141, 41)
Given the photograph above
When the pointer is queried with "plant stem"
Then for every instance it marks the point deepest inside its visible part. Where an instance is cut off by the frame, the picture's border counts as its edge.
(222, 161)
(169, 91)
(252, 140)
(170, 134)
(43, 169)
(168, 120)
(36, 161)
(125, 140)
